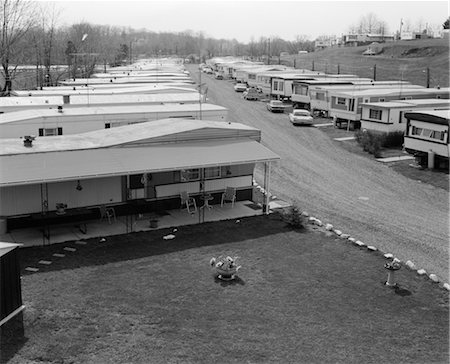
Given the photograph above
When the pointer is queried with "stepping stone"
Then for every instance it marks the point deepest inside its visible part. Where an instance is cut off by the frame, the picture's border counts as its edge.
(447, 286)
(31, 269)
(80, 242)
(372, 248)
(344, 236)
(359, 243)
(45, 262)
(434, 278)
(410, 265)
(353, 240)
(338, 232)
(59, 255)
(67, 249)
(421, 272)
(388, 255)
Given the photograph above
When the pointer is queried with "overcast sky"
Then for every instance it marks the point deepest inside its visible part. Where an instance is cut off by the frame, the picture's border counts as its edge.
(245, 19)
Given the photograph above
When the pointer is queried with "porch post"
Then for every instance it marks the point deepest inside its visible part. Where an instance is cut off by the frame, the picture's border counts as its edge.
(266, 186)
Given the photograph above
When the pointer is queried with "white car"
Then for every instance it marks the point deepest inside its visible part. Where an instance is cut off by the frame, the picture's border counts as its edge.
(300, 117)
(240, 87)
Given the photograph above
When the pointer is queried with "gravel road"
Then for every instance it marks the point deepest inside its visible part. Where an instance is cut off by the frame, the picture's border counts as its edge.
(358, 195)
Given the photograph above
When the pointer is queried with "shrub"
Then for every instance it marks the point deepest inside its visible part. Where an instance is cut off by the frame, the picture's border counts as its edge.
(294, 218)
(393, 139)
(370, 142)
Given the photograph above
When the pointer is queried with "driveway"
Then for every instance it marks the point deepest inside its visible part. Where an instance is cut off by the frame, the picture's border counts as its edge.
(358, 195)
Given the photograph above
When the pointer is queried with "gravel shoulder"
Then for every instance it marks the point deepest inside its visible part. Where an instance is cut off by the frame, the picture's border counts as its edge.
(358, 195)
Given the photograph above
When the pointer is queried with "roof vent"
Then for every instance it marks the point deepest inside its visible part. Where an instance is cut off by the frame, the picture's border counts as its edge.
(28, 140)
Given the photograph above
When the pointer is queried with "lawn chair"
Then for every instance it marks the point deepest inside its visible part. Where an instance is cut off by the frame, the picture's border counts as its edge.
(188, 202)
(229, 196)
(107, 213)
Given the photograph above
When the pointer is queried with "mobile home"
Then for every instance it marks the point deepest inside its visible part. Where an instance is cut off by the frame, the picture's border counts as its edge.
(52, 174)
(320, 99)
(52, 122)
(281, 85)
(9, 104)
(346, 105)
(390, 116)
(427, 136)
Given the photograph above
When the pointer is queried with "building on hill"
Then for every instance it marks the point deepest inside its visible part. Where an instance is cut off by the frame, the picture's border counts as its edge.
(364, 39)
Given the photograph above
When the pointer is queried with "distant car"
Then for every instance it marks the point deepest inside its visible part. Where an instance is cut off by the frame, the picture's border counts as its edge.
(218, 76)
(240, 87)
(276, 106)
(300, 117)
(251, 94)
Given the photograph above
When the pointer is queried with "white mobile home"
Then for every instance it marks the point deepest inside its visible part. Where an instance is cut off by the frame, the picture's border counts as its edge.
(85, 173)
(320, 99)
(281, 85)
(125, 80)
(9, 104)
(346, 105)
(253, 73)
(390, 116)
(427, 136)
(51, 122)
(100, 90)
(300, 88)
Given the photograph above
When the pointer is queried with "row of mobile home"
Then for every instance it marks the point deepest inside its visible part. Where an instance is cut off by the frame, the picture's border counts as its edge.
(346, 106)
(85, 173)
(387, 117)
(427, 137)
(51, 122)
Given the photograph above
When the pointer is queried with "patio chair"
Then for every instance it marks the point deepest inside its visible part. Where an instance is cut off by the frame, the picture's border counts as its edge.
(188, 202)
(107, 213)
(229, 196)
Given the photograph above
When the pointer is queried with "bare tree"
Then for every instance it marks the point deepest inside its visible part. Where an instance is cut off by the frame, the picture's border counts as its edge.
(16, 18)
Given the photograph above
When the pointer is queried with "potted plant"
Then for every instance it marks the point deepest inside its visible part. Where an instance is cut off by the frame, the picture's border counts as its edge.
(226, 268)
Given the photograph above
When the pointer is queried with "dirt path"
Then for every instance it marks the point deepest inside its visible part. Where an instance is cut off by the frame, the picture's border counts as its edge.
(359, 196)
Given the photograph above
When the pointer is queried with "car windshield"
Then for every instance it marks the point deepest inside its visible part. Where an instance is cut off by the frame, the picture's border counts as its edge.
(301, 113)
(278, 103)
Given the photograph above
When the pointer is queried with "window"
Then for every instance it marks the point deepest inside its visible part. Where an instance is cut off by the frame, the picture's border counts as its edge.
(50, 131)
(381, 99)
(375, 114)
(275, 85)
(107, 125)
(190, 174)
(320, 96)
(416, 131)
(212, 172)
(340, 100)
(281, 86)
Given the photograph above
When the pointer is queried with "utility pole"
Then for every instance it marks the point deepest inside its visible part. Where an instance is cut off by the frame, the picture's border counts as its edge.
(268, 53)
(428, 77)
(374, 72)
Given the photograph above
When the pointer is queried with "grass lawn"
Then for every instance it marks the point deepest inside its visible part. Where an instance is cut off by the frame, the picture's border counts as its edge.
(300, 297)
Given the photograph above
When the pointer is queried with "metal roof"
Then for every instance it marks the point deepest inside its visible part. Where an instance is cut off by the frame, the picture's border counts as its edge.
(96, 110)
(409, 103)
(106, 162)
(170, 130)
(5, 248)
(430, 116)
(386, 91)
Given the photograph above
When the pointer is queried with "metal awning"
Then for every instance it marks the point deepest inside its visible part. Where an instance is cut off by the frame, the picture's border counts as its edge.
(60, 166)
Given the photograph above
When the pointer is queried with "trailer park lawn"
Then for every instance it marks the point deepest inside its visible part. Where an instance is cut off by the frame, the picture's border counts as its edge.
(303, 296)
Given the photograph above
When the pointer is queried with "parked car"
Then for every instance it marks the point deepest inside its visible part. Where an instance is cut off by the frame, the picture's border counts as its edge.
(300, 117)
(275, 106)
(218, 76)
(240, 87)
(251, 94)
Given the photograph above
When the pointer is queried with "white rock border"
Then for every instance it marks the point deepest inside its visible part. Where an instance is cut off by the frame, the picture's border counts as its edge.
(339, 233)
